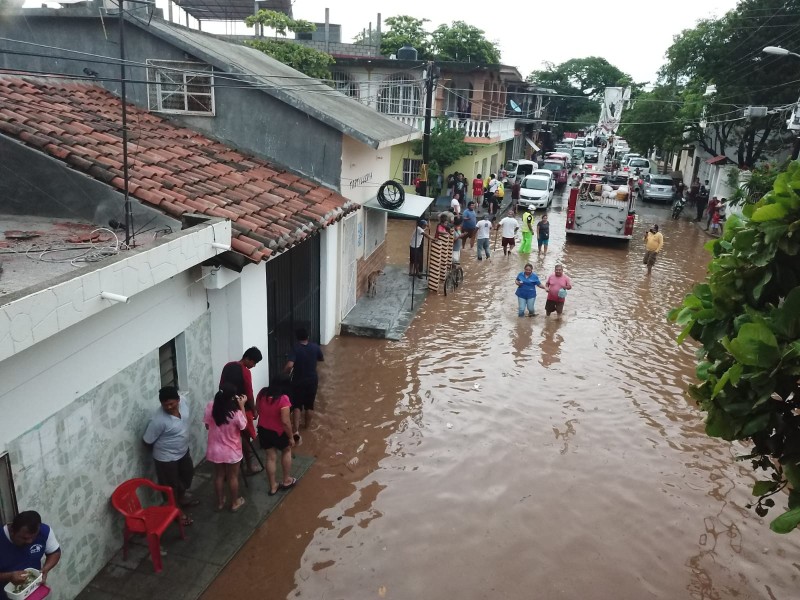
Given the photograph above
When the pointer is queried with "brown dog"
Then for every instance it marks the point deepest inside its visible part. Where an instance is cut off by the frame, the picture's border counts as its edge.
(372, 283)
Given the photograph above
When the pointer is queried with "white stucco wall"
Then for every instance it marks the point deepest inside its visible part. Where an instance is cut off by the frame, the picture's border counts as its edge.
(364, 169)
(329, 282)
(239, 319)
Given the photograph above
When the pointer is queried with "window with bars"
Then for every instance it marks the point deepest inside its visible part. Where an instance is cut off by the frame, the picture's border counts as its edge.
(411, 167)
(168, 364)
(180, 87)
(344, 84)
(8, 498)
(399, 95)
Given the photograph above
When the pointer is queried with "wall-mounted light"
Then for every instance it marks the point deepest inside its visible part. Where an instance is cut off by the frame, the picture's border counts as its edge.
(223, 247)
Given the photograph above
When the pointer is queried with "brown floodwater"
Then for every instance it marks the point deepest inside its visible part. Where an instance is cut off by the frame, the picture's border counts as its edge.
(488, 456)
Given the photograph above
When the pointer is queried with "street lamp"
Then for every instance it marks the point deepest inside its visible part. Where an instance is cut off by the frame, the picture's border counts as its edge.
(778, 51)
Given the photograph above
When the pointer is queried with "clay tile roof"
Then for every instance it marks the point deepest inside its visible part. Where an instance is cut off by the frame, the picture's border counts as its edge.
(174, 169)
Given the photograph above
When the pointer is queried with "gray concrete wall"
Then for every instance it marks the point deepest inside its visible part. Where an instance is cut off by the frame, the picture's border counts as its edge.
(32, 183)
(246, 119)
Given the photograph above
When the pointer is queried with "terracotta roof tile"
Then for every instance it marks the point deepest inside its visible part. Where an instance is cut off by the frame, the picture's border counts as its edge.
(176, 169)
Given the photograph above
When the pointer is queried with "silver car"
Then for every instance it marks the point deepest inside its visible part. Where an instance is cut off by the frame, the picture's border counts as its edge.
(657, 188)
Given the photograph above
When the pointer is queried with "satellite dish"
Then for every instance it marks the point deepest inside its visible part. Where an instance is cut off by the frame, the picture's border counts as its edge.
(514, 106)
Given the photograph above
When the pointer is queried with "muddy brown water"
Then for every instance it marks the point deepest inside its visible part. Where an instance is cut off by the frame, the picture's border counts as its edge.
(488, 456)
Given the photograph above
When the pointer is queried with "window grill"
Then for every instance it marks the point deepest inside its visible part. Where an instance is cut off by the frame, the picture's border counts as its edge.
(180, 87)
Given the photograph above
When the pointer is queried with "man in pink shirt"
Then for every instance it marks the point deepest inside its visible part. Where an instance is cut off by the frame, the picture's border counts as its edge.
(557, 285)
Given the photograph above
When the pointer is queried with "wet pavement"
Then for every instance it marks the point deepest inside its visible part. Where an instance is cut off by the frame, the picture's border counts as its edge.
(488, 456)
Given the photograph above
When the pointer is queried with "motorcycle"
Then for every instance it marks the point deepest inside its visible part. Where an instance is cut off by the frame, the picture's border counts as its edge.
(677, 207)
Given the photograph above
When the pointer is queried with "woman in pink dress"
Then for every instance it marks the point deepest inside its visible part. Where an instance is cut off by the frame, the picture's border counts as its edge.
(275, 433)
(224, 419)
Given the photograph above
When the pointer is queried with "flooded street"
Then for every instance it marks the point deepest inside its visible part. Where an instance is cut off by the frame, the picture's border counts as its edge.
(489, 456)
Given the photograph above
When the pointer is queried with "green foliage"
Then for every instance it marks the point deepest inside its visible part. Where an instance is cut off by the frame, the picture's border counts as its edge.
(279, 22)
(579, 83)
(651, 121)
(403, 30)
(310, 61)
(465, 43)
(746, 317)
(447, 145)
(458, 41)
(758, 182)
(727, 52)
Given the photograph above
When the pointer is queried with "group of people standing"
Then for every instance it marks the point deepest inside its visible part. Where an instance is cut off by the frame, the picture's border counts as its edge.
(713, 209)
(234, 420)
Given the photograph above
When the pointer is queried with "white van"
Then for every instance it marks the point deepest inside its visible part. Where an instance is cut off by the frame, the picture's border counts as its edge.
(580, 143)
(517, 169)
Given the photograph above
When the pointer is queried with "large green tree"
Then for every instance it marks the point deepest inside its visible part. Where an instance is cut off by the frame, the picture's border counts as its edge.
(746, 317)
(578, 83)
(463, 42)
(402, 30)
(727, 53)
(458, 41)
(652, 120)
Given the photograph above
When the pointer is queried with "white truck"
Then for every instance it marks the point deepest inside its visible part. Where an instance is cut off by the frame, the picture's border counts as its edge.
(601, 206)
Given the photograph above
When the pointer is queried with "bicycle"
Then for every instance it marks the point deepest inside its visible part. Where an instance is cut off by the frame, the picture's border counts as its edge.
(453, 278)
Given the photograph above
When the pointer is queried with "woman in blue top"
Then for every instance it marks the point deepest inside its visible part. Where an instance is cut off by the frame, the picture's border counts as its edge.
(527, 282)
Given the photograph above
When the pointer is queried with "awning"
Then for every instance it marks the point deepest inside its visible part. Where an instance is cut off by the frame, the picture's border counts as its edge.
(412, 208)
(716, 160)
(532, 145)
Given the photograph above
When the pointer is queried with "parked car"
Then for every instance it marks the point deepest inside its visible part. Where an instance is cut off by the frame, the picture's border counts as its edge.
(638, 165)
(577, 156)
(591, 155)
(517, 169)
(546, 173)
(559, 169)
(536, 191)
(626, 156)
(657, 188)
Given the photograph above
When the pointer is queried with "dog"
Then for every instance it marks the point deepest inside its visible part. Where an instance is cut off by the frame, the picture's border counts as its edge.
(372, 283)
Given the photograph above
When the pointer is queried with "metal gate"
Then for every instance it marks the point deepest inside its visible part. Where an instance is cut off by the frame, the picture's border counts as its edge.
(349, 263)
(292, 300)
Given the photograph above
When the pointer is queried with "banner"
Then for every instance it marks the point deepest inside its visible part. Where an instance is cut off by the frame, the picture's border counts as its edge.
(611, 110)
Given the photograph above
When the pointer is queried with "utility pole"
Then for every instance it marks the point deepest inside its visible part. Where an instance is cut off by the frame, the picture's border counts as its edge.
(128, 208)
(426, 135)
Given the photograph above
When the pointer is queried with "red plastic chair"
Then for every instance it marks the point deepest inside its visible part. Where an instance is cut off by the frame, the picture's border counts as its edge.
(151, 521)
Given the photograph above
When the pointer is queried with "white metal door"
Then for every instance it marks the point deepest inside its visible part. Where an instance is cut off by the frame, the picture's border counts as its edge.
(349, 263)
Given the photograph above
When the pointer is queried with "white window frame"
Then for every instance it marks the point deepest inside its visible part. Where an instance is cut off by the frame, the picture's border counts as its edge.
(411, 167)
(180, 74)
(400, 95)
(368, 237)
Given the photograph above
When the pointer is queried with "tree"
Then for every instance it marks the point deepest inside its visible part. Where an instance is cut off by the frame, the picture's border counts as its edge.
(465, 43)
(447, 145)
(652, 121)
(727, 53)
(305, 59)
(403, 30)
(458, 41)
(579, 83)
(746, 317)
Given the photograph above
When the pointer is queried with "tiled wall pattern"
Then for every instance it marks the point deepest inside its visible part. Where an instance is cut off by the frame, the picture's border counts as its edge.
(68, 467)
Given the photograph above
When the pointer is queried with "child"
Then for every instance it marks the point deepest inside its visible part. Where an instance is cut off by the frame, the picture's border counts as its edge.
(715, 219)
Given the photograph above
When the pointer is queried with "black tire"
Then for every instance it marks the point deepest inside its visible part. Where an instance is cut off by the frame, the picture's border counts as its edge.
(391, 195)
(459, 276)
(449, 284)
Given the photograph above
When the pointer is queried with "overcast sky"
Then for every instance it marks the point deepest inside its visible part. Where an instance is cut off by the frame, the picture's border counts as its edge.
(631, 34)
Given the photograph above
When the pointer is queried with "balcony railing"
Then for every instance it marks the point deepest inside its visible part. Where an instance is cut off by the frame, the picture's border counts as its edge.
(496, 130)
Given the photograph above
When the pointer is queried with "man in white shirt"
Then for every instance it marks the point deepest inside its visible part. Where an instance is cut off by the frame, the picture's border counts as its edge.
(484, 228)
(455, 206)
(509, 228)
(494, 185)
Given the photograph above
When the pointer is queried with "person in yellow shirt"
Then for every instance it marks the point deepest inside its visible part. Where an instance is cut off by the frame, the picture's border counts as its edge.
(653, 243)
